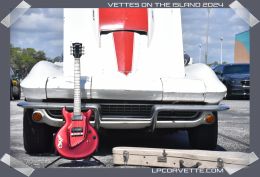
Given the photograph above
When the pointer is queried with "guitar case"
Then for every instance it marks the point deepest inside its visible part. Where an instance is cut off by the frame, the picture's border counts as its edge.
(176, 158)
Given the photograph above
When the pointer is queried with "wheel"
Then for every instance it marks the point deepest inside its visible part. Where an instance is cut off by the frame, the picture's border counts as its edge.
(16, 93)
(204, 136)
(228, 96)
(38, 138)
(11, 92)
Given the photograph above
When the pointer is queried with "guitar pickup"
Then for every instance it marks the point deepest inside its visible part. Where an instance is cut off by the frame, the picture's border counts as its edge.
(76, 131)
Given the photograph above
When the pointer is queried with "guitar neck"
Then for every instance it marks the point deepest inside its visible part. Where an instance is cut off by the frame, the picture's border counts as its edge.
(77, 93)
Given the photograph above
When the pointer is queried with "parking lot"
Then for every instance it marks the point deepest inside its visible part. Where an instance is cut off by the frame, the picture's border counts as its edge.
(233, 136)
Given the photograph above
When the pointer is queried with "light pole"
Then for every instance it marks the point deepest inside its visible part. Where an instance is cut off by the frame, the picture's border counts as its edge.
(207, 36)
(200, 53)
(221, 51)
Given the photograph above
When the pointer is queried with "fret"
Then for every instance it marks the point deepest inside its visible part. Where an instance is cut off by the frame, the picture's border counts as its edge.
(77, 94)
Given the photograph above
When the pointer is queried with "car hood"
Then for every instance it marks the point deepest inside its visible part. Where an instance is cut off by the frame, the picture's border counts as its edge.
(237, 76)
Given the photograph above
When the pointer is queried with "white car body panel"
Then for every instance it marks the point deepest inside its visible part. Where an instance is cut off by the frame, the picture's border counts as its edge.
(126, 88)
(154, 54)
(62, 87)
(158, 71)
(35, 82)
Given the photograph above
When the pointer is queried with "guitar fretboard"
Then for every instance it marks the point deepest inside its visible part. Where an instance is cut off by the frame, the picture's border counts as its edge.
(77, 93)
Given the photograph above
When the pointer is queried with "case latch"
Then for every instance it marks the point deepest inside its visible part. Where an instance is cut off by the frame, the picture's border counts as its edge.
(220, 163)
(125, 157)
(162, 158)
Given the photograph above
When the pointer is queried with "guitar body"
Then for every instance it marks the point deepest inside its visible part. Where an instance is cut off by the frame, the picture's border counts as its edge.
(76, 139)
(69, 143)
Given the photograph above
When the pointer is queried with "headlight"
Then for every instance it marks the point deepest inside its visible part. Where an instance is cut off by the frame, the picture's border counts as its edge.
(14, 82)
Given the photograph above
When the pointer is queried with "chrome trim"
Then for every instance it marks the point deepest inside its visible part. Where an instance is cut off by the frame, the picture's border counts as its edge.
(182, 123)
(245, 86)
(56, 116)
(48, 119)
(45, 105)
(195, 115)
(129, 123)
(164, 107)
(42, 106)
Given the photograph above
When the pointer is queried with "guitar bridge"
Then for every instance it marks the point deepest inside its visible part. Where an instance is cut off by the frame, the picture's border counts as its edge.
(76, 134)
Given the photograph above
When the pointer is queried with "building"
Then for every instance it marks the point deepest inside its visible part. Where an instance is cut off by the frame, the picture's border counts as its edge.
(242, 47)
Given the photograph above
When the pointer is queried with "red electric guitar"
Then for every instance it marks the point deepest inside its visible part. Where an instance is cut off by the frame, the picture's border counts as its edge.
(77, 139)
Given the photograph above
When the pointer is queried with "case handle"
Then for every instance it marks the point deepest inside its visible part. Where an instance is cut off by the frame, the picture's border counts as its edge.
(194, 166)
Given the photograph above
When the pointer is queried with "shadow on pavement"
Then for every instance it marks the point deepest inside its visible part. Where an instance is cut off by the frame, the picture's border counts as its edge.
(83, 163)
(238, 98)
(177, 140)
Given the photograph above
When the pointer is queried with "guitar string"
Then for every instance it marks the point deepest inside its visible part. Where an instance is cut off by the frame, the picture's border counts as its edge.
(77, 94)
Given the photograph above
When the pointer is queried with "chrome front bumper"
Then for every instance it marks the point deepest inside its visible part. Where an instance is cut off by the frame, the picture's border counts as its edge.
(128, 123)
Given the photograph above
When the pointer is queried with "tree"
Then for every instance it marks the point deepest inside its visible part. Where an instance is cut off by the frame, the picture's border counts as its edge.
(58, 58)
(22, 60)
(225, 62)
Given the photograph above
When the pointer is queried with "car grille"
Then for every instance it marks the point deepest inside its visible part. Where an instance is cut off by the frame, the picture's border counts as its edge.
(133, 111)
(126, 110)
(177, 115)
(245, 83)
(142, 111)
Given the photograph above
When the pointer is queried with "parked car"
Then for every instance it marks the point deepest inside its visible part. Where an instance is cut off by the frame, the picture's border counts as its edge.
(131, 78)
(236, 77)
(15, 89)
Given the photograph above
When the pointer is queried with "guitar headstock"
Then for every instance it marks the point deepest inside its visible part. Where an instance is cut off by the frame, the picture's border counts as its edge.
(77, 50)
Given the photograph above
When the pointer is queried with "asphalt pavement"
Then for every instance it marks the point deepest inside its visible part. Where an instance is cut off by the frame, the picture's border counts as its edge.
(233, 136)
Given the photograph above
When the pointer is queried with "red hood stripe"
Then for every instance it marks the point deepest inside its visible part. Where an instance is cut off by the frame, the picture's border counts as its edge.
(124, 50)
(135, 19)
(120, 21)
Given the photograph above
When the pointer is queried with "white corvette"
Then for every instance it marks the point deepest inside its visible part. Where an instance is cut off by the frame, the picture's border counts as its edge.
(132, 75)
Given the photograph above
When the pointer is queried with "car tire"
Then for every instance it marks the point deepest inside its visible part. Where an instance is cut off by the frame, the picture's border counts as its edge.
(204, 136)
(37, 137)
(11, 92)
(228, 96)
(16, 93)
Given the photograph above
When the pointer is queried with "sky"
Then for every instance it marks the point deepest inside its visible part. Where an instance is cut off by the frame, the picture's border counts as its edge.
(223, 22)
(42, 29)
